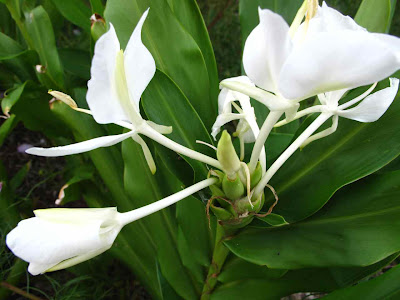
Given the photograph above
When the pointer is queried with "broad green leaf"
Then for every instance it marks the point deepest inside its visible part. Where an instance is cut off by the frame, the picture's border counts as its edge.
(164, 103)
(97, 7)
(144, 188)
(75, 11)
(385, 286)
(76, 62)
(175, 51)
(310, 177)
(6, 128)
(189, 15)
(39, 28)
(358, 227)
(254, 286)
(375, 15)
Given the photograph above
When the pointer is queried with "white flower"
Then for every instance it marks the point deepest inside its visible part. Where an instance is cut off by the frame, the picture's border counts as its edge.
(118, 79)
(58, 238)
(331, 53)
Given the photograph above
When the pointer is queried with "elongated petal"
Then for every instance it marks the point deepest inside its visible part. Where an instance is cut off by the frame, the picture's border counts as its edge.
(221, 120)
(140, 66)
(81, 147)
(36, 269)
(101, 96)
(266, 49)
(227, 96)
(374, 106)
(338, 60)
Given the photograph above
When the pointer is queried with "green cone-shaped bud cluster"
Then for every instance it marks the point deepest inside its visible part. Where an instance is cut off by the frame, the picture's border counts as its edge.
(230, 202)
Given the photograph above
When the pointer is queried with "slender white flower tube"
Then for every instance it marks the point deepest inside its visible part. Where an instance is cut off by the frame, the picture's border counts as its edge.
(58, 238)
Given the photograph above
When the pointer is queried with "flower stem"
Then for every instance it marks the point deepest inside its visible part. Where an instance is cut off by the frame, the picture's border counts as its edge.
(133, 215)
(159, 138)
(219, 255)
(265, 130)
(289, 151)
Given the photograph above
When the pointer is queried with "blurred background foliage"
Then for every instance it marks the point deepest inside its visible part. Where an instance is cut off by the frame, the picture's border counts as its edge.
(37, 182)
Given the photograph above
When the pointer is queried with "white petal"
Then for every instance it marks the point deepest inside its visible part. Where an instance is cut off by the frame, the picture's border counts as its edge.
(227, 96)
(266, 49)
(374, 106)
(332, 98)
(76, 215)
(140, 66)
(103, 141)
(333, 61)
(392, 42)
(101, 97)
(326, 20)
(36, 269)
(222, 120)
(45, 243)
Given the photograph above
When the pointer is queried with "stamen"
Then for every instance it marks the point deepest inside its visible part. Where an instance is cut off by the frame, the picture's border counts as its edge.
(359, 98)
(207, 144)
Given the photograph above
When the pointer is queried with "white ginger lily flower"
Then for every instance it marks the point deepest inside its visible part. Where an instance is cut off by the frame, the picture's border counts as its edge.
(58, 238)
(247, 129)
(372, 107)
(118, 79)
(328, 52)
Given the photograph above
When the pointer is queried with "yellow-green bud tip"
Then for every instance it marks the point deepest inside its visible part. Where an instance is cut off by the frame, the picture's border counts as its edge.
(227, 156)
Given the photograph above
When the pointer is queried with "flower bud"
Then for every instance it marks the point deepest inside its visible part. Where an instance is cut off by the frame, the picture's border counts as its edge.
(227, 156)
(98, 26)
(64, 98)
(233, 189)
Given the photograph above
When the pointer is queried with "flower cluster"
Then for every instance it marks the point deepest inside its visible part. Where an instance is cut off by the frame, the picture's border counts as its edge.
(326, 55)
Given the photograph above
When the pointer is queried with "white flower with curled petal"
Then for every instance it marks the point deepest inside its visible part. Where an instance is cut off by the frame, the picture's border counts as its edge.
(58, 238)
(118, 79)
(247, 129)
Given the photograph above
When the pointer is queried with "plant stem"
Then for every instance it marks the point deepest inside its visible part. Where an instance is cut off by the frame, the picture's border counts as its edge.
(159, 138)
(220, 253)
(265, 130)
(289, 151)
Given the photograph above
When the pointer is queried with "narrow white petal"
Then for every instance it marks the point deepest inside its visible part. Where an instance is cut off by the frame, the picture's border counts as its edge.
(221, 121)
(226, 96)
(140, 66)
(76, 215)
(266, 49)
(374, 106)
(101, 97)
(336, 60)
(81, 147)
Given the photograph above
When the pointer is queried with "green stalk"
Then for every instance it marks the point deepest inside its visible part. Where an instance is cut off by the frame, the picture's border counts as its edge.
(220, 254)
(15, 11)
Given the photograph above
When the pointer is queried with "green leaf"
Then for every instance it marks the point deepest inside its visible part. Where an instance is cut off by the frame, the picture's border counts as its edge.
(75, 11)
(273, 220)
(7, 127)
(385, 286)
(189, 15)
(76, 62)
(40, 29)
(97, 7)
(375, 15)
(354, 151)
(256, 286)
(18, 178)
(358, 227)
(12, 97)
(175, 51)
(165, 104)
(144, 188)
